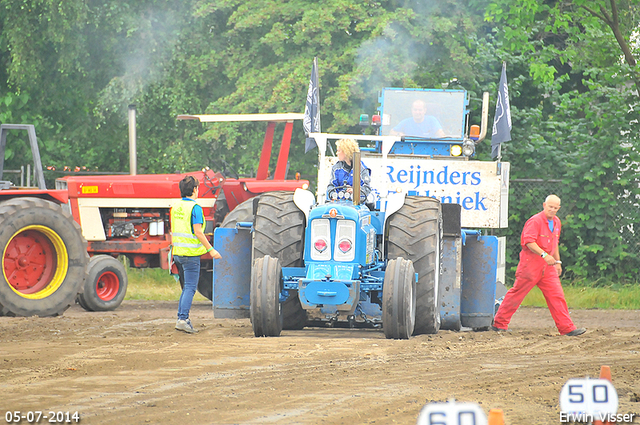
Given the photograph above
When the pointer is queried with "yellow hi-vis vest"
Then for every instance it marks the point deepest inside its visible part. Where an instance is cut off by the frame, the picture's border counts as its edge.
(184, 242)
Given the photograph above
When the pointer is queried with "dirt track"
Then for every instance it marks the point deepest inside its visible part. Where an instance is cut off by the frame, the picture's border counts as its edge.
(131, 367)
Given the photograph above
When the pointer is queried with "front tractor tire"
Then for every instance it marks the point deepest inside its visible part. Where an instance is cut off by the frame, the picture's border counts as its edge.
(266, 284)
(415, 233)
(399, 299)
(279, 232)
(106, 284)
(44, 258)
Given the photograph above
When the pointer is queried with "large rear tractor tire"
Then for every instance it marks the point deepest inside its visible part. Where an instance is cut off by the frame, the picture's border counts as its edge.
(415, 233)
(106, 284)
(205, 281)
(279, 232)
(44, 258)
(399, 299)
(266, 284)
(241, 213)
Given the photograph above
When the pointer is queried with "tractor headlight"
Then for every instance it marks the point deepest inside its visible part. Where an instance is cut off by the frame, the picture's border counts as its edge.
(320, 245)
(344, 245)
(468, 148)
(456, 150)
(345, 236)
(320, 237)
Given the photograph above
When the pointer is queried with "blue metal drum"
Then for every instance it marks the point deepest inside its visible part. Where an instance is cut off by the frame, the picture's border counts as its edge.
(479, 266)
(232, 273)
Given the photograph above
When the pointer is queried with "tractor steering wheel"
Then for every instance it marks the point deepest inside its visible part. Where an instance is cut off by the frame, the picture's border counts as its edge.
(227, 169)
(212, 185)
(340, 192)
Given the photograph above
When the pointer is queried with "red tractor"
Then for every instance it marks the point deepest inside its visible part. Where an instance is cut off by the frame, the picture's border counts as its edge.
(129, 215)
(44, 256)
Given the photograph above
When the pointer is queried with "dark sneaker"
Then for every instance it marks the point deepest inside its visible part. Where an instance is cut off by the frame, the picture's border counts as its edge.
(576, 332)
(493, 328)
(185, 326)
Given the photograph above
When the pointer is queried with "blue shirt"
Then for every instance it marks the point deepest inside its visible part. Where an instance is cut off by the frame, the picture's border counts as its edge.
(197, 216)
(342, 175)
(429, 127)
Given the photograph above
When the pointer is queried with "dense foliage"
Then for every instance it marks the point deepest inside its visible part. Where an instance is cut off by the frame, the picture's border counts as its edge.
(73, 67)
(578, 122)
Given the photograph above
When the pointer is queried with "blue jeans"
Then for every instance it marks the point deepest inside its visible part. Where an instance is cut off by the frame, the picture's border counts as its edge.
(189, 270)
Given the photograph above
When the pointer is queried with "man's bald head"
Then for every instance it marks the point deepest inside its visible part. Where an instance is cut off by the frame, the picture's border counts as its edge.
(550, 206)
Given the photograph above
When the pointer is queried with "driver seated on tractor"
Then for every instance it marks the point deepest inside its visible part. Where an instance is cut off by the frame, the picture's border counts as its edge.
(342, 172)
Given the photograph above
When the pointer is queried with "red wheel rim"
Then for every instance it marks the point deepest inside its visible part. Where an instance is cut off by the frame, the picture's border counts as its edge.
(30, 262)
(107, 286)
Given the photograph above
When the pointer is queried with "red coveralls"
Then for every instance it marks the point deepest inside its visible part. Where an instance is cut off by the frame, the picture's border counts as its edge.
(533, 270)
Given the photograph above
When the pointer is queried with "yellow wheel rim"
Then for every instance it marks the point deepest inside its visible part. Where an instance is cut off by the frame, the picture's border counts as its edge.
(35, 262)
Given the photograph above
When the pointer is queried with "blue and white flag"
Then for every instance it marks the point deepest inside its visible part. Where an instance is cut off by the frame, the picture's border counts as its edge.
(311, 122)
(502, 119)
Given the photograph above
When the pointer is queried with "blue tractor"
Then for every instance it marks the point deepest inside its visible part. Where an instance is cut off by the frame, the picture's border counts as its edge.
(413, 260)
(342, 261)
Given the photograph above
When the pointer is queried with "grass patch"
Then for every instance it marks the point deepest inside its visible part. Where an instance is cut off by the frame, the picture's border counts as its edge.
(159, 285)
(621, 297)
(154, 284)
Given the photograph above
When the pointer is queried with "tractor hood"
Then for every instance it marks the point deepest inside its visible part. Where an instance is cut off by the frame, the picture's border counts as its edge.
(340, 209)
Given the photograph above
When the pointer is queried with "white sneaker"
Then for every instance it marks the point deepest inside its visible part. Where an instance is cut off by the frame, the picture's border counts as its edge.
(186, 326)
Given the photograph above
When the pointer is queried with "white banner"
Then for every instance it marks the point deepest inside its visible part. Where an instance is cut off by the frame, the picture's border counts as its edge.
(481, 188)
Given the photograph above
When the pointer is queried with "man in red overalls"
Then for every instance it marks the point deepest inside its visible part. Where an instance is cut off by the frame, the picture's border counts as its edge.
(539, 265)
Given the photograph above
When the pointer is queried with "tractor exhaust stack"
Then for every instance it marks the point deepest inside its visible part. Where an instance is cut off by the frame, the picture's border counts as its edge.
(132, 140)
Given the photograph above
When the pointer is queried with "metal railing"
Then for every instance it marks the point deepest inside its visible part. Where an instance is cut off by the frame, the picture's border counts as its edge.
(27, 174)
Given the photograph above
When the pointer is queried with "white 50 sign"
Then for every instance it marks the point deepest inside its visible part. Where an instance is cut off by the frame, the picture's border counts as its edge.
(589, 398)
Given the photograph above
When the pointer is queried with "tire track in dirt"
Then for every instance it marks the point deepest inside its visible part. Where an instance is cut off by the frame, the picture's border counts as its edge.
(130, 367)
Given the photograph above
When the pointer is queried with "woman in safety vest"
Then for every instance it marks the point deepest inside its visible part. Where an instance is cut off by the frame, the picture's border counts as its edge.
(189, 243)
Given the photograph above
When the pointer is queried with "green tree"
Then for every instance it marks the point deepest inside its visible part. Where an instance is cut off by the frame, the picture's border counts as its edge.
(73, 67)
(576, 121)
(264, 51)
(90, 60)
(81, 63)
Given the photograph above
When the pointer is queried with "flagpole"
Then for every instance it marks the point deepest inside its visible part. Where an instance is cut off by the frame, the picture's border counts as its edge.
(311, 122)
(502, 119)
(316, 105)
(504, 68)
